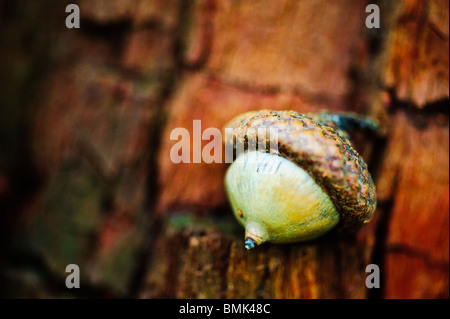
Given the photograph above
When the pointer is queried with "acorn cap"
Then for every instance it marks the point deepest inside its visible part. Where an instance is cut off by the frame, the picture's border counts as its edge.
(325, 152)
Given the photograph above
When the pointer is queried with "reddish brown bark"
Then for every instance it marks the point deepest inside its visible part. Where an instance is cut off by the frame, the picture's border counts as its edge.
(87, 176)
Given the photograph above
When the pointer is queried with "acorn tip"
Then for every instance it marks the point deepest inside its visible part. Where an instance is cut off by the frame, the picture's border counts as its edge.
(249, 243)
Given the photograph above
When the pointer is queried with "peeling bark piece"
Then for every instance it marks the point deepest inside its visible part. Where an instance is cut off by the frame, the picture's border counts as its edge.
(416, 179)
(195, 260)
(417, 52)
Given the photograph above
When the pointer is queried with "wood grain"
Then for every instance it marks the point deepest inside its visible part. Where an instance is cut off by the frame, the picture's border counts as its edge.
(85, 171)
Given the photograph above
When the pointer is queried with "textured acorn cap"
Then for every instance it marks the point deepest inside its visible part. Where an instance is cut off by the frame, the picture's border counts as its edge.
(322, 150)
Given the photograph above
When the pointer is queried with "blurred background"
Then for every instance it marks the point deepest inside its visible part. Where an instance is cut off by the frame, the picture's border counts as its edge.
(85, 121)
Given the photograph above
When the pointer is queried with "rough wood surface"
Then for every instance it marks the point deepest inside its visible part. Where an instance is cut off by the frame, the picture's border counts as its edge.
(86, 116)
(417, 52)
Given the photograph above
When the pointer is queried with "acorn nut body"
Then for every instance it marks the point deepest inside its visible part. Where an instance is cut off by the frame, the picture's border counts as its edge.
(313, 181)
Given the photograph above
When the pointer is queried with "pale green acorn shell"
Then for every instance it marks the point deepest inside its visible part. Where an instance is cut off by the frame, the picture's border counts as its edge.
(277, 201)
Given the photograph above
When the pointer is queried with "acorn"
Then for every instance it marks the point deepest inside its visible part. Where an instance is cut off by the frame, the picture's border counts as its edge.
(307, 181)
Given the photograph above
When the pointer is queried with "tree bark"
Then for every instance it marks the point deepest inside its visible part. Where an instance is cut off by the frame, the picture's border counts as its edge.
(85, 170)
